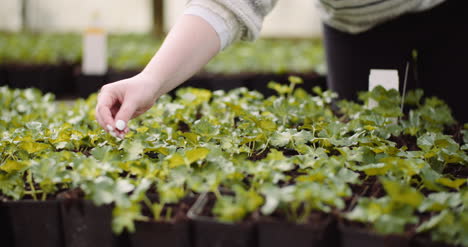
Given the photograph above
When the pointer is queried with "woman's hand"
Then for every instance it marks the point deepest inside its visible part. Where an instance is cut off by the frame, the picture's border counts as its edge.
(123, 100)
(190, 44)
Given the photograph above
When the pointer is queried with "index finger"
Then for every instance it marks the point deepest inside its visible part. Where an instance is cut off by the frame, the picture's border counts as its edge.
(103, 109)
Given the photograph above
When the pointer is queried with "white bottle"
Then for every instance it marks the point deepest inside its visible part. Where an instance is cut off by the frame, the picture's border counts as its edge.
(94, 49)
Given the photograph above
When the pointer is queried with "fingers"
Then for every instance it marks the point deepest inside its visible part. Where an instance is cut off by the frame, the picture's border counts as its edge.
(104, 116)
(125, 113)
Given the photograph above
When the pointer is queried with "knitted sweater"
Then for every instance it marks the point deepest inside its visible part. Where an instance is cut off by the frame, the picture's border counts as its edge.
(242, 19)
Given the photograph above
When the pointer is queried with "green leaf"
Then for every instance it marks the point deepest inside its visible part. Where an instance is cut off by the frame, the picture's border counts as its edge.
(133, 148)
(374, 169)
(175, 160)
(275, 155)
(161, 150)
(280, 89)
(267, 125)
(434, 221)
(281, 139)
(34, 125)
(204, 128)
(454, 184)
(196, 154)
(275, 196)
(440, 201)
(13, 166)
(33, 147)
(295, 79)
(124, 217)
(402, 193)
(302, 137)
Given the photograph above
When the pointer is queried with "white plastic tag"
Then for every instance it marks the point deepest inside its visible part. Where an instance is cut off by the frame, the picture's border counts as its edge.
(94, 53)
(386, 78)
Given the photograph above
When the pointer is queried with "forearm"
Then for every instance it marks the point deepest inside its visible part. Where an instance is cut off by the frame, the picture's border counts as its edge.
(190, 44)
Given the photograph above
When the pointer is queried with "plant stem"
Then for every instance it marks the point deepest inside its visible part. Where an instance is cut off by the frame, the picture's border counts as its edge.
(31, 184)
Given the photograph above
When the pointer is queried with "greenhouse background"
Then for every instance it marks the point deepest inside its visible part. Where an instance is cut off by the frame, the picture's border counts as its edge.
(123, 16)
(253, 149)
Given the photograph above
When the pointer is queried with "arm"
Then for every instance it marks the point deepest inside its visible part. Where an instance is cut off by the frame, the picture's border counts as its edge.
(207, 27)
(191, 43)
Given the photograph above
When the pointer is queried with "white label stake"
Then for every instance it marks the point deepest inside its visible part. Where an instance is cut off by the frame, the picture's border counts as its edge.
(94, 52)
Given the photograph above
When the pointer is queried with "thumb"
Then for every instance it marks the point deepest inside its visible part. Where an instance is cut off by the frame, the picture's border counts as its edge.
(125, 113)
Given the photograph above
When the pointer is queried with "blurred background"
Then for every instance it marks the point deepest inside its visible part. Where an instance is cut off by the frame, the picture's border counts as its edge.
(71, 48)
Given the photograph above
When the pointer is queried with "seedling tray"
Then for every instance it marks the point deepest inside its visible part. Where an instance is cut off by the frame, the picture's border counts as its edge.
(32, 223)
(353, 236)
(283, 234)
(151, 233)
(87, 225)
(175, 231)
(24, 76)
(3, 76)
(88, 84)
(207, 232)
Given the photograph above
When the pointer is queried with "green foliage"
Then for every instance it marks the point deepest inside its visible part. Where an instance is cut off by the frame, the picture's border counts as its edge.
(286, 155)
(133, 52)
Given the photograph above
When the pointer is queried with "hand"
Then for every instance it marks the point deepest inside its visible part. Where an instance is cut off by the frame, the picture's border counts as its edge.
(190, 44)
(123, 100)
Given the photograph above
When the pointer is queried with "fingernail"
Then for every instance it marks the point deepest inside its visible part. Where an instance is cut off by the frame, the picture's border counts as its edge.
(110, 128)
(122, 136)
(120, 124)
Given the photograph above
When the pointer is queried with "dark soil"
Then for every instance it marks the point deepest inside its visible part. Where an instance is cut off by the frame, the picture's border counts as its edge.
(259, 155)
(456, 170)
(370, 187)
(72, 194)
(455, 131)
(182, 126)
(405, 141)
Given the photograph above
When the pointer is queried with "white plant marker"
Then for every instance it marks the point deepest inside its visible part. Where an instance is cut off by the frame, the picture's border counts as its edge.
(120, 124)
(94, 49)
(386, 78)
(405, 82)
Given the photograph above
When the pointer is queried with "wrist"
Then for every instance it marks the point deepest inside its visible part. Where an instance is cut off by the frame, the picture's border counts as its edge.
(150, 82)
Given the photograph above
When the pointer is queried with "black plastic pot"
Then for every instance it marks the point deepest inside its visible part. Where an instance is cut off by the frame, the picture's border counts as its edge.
(57, 79)
(87, 225)
(283, 234)
(175, 233)
(6, 234)
(148, 234)
(353, 236)
(207, 232)
(88, 84)
(117, 75)
(24, 76)
(3, 76)
(218, 81)
(426, 242)
(32, 223)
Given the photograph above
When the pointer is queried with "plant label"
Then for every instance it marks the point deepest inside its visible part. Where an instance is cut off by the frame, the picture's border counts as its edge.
(94, 52)
(386, 78)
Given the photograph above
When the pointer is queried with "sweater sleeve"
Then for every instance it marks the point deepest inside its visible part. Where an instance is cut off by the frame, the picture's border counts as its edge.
(232, 19)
